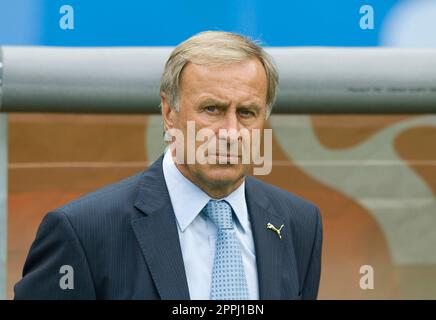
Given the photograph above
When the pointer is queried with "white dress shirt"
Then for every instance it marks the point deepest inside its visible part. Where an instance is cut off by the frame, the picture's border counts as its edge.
(198, 234)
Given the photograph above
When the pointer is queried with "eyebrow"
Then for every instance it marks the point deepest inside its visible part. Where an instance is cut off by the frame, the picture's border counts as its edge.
(250, 106)
(211, 101)
(222, 104)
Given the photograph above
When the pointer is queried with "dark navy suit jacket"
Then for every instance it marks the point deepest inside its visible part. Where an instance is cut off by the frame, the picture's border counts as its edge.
(122, 243)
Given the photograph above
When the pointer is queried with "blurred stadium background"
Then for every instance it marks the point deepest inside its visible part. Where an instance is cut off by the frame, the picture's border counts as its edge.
(374, 177)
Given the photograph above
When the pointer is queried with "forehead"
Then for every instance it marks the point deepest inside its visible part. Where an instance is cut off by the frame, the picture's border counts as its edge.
(240, 78)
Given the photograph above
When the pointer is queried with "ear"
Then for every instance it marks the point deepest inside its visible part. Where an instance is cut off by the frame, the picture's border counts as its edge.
(168, 113)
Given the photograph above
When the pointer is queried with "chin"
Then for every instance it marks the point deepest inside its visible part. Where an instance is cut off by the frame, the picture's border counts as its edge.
(223, 174)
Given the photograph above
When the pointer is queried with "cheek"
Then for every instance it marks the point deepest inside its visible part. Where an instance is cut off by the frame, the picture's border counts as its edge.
(199, 119)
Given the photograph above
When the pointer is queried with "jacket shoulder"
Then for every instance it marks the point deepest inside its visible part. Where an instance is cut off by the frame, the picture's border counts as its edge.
(286, 203)
(105, 201)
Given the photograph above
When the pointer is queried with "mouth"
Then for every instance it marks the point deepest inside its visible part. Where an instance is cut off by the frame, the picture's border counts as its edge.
(226, 157)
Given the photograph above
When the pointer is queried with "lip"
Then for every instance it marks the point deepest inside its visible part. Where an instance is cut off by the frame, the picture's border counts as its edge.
(228, 155)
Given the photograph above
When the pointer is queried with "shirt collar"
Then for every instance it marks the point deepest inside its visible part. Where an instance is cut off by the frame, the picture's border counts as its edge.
(188, 199)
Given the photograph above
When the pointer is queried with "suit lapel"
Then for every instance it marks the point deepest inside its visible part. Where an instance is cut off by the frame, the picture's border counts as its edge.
(158, 238)
(270, 249)
(157, 235)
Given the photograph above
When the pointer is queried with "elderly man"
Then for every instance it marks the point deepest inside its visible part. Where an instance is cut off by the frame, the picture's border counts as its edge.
(188, 229)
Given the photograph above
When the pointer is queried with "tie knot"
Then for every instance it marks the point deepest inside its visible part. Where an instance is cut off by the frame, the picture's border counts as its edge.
(220, 212)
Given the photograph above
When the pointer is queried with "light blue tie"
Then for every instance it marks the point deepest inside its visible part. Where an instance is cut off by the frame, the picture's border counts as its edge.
(228, 276)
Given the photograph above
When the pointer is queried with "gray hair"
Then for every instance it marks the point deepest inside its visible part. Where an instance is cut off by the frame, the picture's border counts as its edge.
(215, 48)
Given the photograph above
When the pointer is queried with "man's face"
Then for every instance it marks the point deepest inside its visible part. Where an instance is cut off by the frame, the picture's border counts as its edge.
(219, 97)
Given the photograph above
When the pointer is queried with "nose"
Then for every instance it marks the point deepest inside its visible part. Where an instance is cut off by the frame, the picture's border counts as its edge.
(230, 126)
(230, 121)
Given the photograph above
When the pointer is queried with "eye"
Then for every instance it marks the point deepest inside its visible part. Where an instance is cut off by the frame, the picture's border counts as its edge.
(246, 113)
(211, 109)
